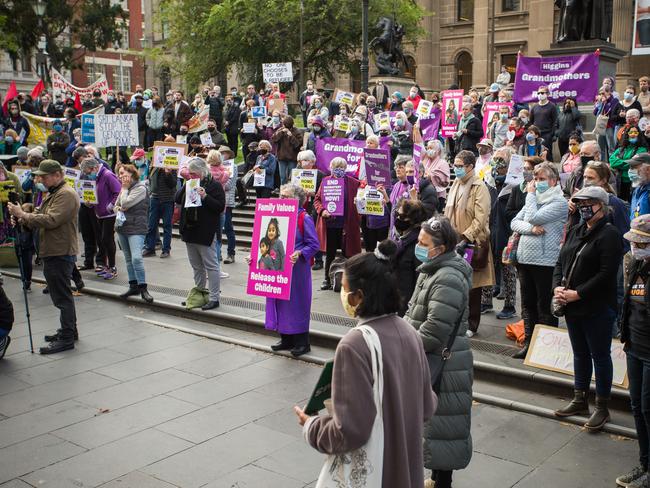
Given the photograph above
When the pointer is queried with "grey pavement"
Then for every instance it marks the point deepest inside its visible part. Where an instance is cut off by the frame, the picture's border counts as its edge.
(139, 405)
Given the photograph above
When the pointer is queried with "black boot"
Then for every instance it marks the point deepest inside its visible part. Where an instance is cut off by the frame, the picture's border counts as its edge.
(57, 335)
(578, 406)
(327, 285)
(59, 345)
(600, 416)
(132, 291)
(285, 344)
(521, 353)
(142, 288)
(301, 343)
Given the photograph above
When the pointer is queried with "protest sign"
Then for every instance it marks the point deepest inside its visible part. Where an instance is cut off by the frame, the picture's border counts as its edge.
(641, 32)
(229, 165)
(71, 177)
(305, 178)
(329, 148)
(259, 178)
(181, 139)
(332, 194)
(248, 128)
(276, 104)
(206, 139)
(277, 72)
(430, 126)
(452, 104)
(258, 112)
(192, 197)
(424, 109)
(168, 154)
(87, 192)
(344, 97)
(41, 127)
(491, 113)
(565, 76)
(22, 172)
(199, 121)
(382, 121)
(88, 128)
(370, 202)
(515, 170)
(274, 233)
(116, 130)
(60, 86)
(550, 349)
(377, 166)
(341, 123)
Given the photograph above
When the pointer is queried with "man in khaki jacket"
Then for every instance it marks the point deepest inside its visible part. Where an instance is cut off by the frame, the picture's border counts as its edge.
(56, 220)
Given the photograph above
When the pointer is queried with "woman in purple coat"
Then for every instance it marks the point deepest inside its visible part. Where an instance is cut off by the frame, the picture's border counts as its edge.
(291, 317)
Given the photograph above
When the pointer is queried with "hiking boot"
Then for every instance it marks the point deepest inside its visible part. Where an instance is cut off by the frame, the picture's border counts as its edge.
(578, 406)
(56, 336)
(506, 313)
(600, 416)
(637, 478)
(229, 260)
(132, 291)
(59, 345)
(142, 288)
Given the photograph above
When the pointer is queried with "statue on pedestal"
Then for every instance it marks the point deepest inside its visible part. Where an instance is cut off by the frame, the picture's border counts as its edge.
(585, 20)
(389, 56)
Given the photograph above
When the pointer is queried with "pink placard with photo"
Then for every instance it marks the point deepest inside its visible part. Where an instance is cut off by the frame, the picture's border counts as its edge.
(452, 105)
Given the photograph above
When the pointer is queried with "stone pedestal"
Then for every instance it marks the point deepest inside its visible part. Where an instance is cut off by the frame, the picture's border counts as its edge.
(401, 84)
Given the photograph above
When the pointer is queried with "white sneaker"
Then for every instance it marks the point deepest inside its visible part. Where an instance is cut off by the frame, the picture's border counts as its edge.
(223, 275)
(469, 333)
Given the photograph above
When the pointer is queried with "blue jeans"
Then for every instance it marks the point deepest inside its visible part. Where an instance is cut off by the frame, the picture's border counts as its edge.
(638, 373)
(158, 210)
(591, 341)
(230, 231)
(285, 170)
(132, 248)
(222, 220)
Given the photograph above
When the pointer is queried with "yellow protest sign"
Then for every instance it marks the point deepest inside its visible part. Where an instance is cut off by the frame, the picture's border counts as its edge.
(168, 154)
(87, 192)
(71, 177)
(306, 178)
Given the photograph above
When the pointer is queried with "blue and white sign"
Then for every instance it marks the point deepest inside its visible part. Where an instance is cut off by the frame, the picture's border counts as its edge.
(258, 112)
(88, 128)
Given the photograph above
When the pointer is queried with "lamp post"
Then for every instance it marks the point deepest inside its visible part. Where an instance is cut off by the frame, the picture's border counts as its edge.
(41, 58)
(364, 46)
(144, 44)
(302, 54)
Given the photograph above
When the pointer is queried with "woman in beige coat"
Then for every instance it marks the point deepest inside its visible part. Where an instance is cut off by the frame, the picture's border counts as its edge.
(468, 209)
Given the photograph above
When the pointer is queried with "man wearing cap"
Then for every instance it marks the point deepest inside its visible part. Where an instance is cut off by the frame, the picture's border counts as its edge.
(639, 174)
(56, 220)
(544, 115)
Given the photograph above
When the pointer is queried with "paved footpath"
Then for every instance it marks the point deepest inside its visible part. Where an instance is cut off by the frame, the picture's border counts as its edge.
(137, 405)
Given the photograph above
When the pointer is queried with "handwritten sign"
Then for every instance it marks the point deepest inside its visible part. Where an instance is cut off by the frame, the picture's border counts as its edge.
(259, 178)
(88, 128)
(192, 198)
(277, 72)
(71, 177)
(168, 154)
(87, 192)
(377, 165)
(258, 112)
(116, 130)
(332, 193)
(550, 348)
(515, 170)
(305, 178)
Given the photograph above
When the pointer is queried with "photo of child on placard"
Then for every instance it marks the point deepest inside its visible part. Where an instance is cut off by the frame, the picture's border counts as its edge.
(451, 113)
(272, 247)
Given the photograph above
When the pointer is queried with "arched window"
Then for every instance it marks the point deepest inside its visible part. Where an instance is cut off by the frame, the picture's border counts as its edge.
(464, 70)
(411, 66)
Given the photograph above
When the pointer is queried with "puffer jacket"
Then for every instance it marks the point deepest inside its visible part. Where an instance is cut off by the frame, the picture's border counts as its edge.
(134, 202)
(440, 297)
(541, 250)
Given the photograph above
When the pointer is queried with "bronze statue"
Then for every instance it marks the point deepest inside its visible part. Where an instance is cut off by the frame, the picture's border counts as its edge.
(389, 56)
(585, 20)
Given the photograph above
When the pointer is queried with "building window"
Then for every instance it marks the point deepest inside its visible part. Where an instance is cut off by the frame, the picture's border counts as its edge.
(466, 10)
(165, 81)
(410, 67)
(122, 78)
(124, 38)
(464, 71)
(164, 29)
(26, 61)
(510, 62)
(510, 5)
(122, 3)
(95, 71)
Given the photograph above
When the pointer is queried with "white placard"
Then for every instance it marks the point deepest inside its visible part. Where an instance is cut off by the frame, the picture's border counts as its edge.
(229, 165)
(181, 139)
(424, 109)
(206, 139)
(277, 72)
(87, 190)
(116, 130)
(515, 170)
(305, 178)
(259, 178)
(550, 348)
(192, 198)
(370, 201)
(342, 123)
(248, 127)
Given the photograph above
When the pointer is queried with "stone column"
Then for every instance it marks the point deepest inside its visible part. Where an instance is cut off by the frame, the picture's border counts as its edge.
(480, 50)
(428, 51)
(540, 26)
(622, 28)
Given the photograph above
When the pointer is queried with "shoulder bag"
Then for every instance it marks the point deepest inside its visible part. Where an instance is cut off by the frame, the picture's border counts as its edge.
(558, 309)
(436, 367)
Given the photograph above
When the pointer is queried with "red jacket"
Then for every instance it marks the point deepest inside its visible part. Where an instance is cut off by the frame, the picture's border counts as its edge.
(415, 101)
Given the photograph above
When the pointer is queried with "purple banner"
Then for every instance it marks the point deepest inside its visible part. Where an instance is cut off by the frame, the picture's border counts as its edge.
(429, 127)
(329, 148)
(377, 163)
(565, 76)
(332, 193)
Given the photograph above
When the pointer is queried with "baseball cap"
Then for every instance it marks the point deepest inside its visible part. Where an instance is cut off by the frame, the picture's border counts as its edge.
(47, 167)
(495, 87)
(591, 193)
(643, 158)
(137, 154)
(639, 229)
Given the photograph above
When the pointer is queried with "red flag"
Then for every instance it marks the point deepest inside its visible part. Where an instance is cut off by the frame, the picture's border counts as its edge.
(12, 92)
(38, 89)
(77, 103)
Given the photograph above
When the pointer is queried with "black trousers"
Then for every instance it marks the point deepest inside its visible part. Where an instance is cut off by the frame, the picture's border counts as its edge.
(372, 236)
(233, 141)
(442, 478)
(536, 284)
(90, 233)
(107, 240)
(263, 192)
(474, 318)
(58, 273)
(334, 243)
(295, 340)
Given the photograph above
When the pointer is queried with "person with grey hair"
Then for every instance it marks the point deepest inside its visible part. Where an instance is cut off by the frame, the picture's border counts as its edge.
(469, 131)
(198, 228)
(307, 160)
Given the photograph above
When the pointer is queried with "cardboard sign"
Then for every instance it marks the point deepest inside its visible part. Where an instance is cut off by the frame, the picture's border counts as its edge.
(71, 177)
(192, 198)
(452, 103)
(22, 172)
(88, 128)
(424, 109)
(277, 72)
(248, 128)
(515, 170)
(550, 349)
(370, 202)
(377, 167)
(88, 192)
(305, 178)
(344, 97)
(258, 112)
(116, 130)
(168, 154)
(274, 234)
(206, 139)
(276, 104)
(259, 178)
(332, 193)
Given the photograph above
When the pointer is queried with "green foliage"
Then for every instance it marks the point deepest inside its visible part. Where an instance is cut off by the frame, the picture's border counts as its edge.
(90, 24)
(207, 37)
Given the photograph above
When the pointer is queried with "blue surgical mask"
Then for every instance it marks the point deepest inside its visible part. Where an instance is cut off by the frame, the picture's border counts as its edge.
(422, 253)
(633, 174)
(628, 96)
(399, 122)
(338, 172)
(276, 120)
(9, 140)
(91, 176)
(460, 172)
(530, 137)
(41, 187)
(541, 186)
(633, 140)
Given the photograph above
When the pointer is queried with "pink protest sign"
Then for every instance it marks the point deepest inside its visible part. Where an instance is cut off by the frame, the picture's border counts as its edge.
(491, 113)
(377, 163)
(332, 193)
(452, 104)
(274, 234)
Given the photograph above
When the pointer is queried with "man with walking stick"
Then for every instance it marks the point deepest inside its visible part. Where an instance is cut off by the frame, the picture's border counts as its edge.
(56, 221)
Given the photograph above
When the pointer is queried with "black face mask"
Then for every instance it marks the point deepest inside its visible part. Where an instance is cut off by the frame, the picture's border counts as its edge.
(585, 159)
(211, 128)
(401, 225)
(263, 151)
(183, 132)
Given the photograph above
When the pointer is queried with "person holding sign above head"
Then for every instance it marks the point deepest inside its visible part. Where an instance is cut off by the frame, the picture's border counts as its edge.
(266, 165)
(338, 223)
(199, 225)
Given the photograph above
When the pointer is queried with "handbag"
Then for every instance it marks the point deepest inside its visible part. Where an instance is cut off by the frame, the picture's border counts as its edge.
(247, 179)
(601, 124)
(362, 467)
(437, 367)
(558, 309)
(480, 256)
(509, 254)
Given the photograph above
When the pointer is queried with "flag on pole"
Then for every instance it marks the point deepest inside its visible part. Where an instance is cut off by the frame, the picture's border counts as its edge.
(12, 92)
(38, 89)
(77, 103)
